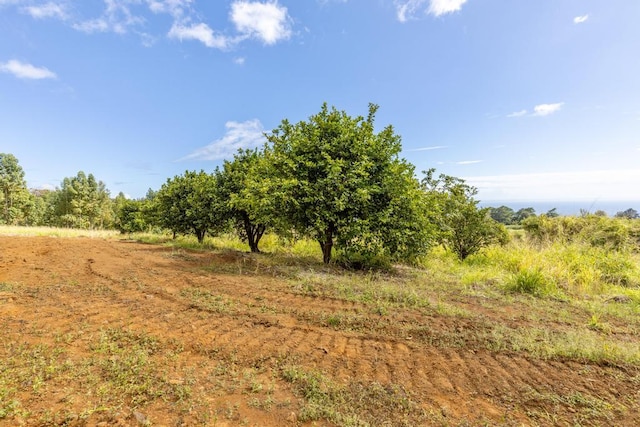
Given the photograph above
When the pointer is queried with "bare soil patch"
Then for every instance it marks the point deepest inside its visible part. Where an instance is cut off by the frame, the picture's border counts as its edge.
(106, 332)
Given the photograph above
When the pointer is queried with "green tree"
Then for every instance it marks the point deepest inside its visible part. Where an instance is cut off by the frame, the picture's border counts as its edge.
(523, 214)
(249, 214)
(130, 214)
(83, 202)
(190, 203)
(552, 213)
(336, 180)
(629, 214)
(503, 214)
(13, 188)
(464, 227)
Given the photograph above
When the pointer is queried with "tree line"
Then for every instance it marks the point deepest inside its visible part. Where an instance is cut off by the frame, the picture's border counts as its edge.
(331, 178)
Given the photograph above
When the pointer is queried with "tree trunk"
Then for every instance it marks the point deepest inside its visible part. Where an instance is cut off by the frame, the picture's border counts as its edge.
(200, 235)
(327, 244)
(254, 233)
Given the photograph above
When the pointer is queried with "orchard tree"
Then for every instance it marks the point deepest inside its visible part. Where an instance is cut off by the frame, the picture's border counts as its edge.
(13, 188)
(465, 228)
(336, 180)
(130, 214)
(190, 203)
(249, 214)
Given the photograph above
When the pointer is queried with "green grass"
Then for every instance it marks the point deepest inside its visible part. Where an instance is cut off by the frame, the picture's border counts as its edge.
(353, 403)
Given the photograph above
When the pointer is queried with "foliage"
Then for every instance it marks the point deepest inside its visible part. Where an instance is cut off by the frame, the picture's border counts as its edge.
(336, 180)
(250, 214)
(13, 189)
(610, 233)
(523, 214)
(83, 202)
(464, 227)
(130, 214)
(190, 203)
(503, 215)
(629, 214)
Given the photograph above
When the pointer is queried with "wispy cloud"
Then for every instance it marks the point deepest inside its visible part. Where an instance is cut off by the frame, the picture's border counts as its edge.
(240, 60)
(435, 147)
(117, 17)
(47, 10)
(469, 162)
(407, 9)
(200, 32)
(268, 22)
(580, 19)
(546, 109)
(560, 186)
(518, 113)
(263, 20)
(26, 71)
(248, 134)
(175, 8)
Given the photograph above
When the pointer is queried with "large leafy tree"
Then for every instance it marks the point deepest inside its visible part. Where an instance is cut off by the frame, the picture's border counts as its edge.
(13, 188)
(83, 202)
(465, 228)
(335, 179)
(191, 204)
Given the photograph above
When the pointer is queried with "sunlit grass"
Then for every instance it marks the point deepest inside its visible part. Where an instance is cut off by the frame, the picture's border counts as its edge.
(11, 230)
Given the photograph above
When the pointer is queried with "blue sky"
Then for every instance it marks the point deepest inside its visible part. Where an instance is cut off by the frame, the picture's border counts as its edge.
(527, 100)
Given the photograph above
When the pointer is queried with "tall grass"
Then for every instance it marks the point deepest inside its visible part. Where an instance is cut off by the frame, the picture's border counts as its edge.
(13, 230)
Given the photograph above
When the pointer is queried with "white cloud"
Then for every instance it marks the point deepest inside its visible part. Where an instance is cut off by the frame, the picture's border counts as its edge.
(117, 17)
(469, 162)
(47, 10)
(406, 9)
(200, 32)
(26, 71)
(239, 60)
(98, 25)
(518, 113)
(546, 109)
(580, 19)
(442, 7)
(249, 134)
(612, 185)
(435, 147)
(175, 8)
(268, 22)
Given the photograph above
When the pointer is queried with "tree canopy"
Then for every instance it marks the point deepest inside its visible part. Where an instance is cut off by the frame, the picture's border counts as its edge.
(13, 188)
(338, 181)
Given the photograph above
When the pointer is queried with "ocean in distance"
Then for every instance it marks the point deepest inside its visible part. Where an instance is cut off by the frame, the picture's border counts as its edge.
(567, 208)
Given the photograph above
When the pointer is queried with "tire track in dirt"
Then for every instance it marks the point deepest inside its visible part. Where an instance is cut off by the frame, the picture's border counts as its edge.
(141, 290)
(444, 376)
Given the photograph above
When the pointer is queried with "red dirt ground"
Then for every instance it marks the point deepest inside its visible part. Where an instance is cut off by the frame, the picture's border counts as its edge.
(65, 292)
